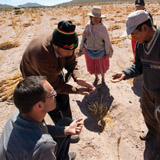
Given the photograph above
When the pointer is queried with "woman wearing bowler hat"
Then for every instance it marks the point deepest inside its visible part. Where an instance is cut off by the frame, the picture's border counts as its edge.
(96, 45)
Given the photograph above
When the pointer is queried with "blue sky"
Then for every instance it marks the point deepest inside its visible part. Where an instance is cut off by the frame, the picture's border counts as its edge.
(43, 2)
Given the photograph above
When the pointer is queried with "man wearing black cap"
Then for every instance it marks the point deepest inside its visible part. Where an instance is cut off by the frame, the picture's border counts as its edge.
(47, 55)
(140, 5)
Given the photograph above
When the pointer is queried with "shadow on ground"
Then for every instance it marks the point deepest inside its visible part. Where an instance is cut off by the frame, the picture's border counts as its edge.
(137, 86)
(101, 94)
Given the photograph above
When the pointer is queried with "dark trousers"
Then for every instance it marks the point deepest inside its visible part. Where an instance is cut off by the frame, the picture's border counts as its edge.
(152, 146)
(63, 143)
(62, 108)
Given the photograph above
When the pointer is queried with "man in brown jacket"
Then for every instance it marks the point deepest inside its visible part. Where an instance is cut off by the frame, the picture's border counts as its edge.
(47, 55)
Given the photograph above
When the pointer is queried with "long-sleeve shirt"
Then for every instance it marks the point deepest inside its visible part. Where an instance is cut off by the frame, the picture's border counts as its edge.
(96, 38)
(26, 139)
(147, 61)
(39, 58)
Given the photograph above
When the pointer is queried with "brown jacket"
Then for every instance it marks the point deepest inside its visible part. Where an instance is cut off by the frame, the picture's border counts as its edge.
(39, 59)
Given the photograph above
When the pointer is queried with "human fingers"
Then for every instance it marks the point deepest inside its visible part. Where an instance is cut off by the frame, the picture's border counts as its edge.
(79, 129)
(79, 121)
(83, 91)
(117, 77)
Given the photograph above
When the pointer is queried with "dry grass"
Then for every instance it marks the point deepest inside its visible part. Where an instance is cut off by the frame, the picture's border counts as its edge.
(53, 18)
(78, 23)
(8, 85)
(114, 27)
(79, 33)
(2, 21)
(118, 144)
(17, 25)
(10, 44)
(117, 41)
(100, 112)
(27, 24)
(120, 21)
(1, 58)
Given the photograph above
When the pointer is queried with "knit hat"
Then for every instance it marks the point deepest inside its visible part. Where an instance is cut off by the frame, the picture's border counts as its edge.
(65, 36)
(139, 3)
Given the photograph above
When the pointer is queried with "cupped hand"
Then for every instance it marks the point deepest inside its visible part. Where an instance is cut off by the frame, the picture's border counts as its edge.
(83, 83)
(84, 91)
(117, 77)
(75, 127)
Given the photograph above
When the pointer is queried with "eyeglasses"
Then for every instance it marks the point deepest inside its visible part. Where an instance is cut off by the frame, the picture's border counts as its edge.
(54, 93)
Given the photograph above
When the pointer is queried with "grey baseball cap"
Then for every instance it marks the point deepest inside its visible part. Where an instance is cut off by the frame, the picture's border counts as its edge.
(134, 19)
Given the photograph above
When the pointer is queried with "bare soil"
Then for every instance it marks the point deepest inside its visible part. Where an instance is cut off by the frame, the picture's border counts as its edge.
(119, 141)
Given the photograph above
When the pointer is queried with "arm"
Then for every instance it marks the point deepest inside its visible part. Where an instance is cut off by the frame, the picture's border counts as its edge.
(71, 66)
(108, 44)
(133, 71)
(74, 128)
(136, 68)
(45, 150)
(56, 131)
(60, 131)
(46, 63)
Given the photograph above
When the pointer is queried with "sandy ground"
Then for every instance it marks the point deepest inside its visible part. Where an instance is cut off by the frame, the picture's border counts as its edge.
(119, 141)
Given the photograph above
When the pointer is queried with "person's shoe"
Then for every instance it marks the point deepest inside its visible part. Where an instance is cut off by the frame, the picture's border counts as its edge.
(145, 135)
(72, 155)
(75, 138)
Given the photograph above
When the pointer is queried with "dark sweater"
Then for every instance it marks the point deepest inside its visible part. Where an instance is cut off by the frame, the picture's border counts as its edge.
(147, 61)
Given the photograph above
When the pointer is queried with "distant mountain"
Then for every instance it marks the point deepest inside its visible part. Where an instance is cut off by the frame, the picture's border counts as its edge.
(30, 5)
(92, 1)
(5, 6)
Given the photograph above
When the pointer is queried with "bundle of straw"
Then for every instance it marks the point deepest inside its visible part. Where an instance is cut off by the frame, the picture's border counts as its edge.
(100, 112)
(8, 85)
(9, 44)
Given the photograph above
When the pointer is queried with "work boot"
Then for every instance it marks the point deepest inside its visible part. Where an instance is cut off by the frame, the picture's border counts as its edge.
(75, 138)
(72, 155)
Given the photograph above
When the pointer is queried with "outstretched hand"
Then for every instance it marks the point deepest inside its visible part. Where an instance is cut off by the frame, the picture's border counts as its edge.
(87, 88)
(118, 77)
(75, 127)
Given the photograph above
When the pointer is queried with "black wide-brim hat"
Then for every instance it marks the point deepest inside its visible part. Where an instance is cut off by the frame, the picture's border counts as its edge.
(65, 36)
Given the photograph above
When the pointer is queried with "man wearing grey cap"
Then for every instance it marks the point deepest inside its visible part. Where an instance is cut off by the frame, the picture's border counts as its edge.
(147, 62)
(139, 5)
